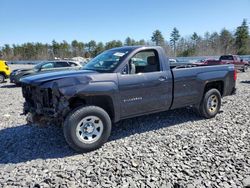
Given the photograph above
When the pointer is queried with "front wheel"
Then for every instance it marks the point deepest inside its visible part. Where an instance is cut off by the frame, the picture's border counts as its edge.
(87, 128)
(210, 104)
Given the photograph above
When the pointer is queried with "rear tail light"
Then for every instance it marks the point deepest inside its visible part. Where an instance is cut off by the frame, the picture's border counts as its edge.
(235, 74)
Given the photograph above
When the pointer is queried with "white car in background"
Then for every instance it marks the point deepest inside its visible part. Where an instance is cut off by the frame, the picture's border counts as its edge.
(172, 61)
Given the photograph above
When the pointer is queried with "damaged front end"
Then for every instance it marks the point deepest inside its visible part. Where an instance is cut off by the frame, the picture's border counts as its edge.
(44, 105)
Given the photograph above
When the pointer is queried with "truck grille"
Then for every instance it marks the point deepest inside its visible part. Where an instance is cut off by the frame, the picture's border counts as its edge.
(37, 97)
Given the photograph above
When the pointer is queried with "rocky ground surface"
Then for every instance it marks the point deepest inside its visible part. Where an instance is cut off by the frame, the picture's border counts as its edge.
(170, 149)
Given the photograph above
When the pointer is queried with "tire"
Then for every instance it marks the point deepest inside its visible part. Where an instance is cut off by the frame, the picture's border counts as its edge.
(87, 128)
(244, 68)
(2, 78)
(210, 104)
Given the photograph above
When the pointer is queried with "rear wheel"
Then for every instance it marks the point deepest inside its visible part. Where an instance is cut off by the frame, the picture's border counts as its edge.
(87, 128)
(210, 104)
(2, 78)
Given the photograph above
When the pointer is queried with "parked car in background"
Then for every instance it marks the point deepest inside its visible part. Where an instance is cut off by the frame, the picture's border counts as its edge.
(172, 60)
(4, 70)
(49, 66)
(176, 63)
(239, 63)
(247, 59)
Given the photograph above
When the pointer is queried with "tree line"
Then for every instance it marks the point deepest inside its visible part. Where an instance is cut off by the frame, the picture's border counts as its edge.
(215, 43)
(211, 44)
(40, 51)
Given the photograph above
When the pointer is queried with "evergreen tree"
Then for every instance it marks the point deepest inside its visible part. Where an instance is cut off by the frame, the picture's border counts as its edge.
(226, 40)
(141, 42)
(91, 47)
(241, 40)
(157, 38)
(74, 45)
(7, 51)
(99, 48)
(113, 44)
(80, 49)
(128, 41)
(175, 36)
(214, 42)
(55, 48)
(64, 50)
(195, 38)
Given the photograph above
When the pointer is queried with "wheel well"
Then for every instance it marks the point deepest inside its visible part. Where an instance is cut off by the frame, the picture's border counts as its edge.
(104, 102)
(219, 85)
(2, 73)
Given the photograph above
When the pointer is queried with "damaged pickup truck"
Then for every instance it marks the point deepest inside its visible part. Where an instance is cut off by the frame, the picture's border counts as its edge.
(122, 83)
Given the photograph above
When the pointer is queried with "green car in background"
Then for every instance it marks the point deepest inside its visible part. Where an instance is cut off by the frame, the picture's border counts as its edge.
(49, 66)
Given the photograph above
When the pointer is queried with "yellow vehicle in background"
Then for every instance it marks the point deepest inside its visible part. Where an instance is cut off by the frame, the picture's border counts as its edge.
(4, 71)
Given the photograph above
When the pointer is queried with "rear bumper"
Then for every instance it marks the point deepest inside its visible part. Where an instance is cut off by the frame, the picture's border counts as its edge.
(7, 73)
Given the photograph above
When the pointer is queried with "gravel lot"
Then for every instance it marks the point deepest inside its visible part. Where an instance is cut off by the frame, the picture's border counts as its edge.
(170, 149)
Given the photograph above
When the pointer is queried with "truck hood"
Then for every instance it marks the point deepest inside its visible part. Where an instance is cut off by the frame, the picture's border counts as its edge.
(39, 79)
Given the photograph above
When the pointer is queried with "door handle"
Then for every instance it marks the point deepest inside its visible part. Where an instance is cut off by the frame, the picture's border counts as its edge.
(163, 78)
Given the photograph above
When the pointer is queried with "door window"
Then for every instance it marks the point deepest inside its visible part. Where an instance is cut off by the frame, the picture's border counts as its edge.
(61, 64)
(47, 66)
(144, 62)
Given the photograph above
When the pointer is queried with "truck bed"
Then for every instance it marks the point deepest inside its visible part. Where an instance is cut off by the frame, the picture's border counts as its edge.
(188, 81)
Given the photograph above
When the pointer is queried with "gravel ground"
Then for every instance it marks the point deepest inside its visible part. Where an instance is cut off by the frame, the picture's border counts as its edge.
(169, 149)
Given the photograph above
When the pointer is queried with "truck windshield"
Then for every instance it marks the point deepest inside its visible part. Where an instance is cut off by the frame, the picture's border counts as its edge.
(106, 61)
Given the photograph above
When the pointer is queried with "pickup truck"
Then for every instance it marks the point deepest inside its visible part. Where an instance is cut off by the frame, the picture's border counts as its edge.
(239, 64)
(121, 83)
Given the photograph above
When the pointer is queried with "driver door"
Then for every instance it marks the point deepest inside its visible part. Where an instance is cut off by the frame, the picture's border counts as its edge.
(147, 88)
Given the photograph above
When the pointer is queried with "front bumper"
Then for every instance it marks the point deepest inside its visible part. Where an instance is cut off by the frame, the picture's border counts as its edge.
(7, 73)
(12, 77)
(44, 101)
(12, 80)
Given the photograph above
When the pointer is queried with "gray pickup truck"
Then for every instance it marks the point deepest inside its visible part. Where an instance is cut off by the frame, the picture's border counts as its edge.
(122, 83)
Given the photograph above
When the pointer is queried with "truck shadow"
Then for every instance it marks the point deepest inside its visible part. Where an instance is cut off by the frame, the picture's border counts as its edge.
(23, 143)
(153, 122)
(9, 86)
